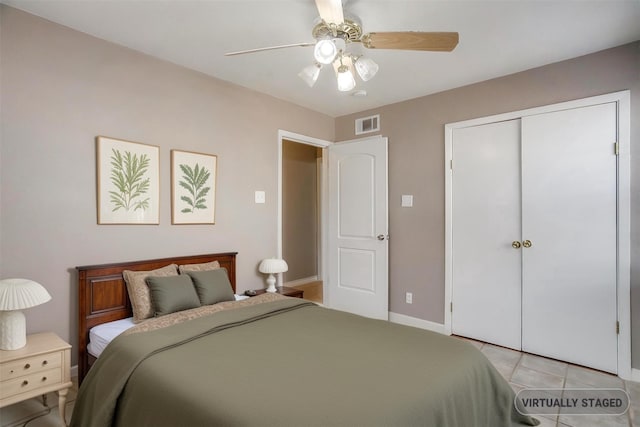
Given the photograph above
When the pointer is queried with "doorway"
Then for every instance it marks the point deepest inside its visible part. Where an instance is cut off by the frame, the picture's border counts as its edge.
(300, 212)
(301, 217)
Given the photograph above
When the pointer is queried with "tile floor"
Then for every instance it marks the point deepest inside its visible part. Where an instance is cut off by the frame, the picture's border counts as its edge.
(520, 369)
(524, 370)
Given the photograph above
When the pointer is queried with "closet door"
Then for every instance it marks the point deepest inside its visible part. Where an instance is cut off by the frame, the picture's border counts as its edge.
(486, 220)
(569, 216)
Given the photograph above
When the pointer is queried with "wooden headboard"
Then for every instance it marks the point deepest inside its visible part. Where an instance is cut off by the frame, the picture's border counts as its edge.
(103, 297)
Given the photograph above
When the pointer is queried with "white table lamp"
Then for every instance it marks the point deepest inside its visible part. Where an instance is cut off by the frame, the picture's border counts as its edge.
(272, 266)
(16, 295)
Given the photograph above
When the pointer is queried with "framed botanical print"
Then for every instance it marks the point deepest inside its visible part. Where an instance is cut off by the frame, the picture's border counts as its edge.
(128, 182)
(193, 187)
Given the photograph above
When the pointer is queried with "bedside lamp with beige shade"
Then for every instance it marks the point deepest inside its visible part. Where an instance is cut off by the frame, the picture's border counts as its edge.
(272, 266)
(16, 295)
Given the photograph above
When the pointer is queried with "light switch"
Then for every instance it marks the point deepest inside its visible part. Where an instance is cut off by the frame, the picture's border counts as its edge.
(260, 197)
(407, 201)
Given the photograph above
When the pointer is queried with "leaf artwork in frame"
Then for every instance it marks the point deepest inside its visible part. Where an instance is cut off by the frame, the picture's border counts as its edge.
(193, 183)
(128, 176)
(128, 182)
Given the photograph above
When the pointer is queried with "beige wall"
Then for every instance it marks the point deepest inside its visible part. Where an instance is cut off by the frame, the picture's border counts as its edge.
(416, 164)
(299, 210)
(61, 88)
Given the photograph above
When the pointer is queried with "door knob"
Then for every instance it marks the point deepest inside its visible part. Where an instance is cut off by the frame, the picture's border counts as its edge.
(526, 243)
(380, 236)
(516, 244)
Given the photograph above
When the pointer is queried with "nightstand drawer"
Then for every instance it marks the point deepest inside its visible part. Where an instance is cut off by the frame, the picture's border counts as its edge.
(29, 365)
(30, 382)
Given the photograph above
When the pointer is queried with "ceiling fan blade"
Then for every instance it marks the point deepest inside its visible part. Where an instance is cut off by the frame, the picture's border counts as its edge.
(411, 40)
(330, 11)
(261, 49)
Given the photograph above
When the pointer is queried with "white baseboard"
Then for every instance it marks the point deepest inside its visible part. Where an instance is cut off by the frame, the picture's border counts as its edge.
(74, 371)
(302, 281)
(415, 322)
(635, 375)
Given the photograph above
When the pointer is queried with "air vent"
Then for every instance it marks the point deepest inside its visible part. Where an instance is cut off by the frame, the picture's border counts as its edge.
(368, 124)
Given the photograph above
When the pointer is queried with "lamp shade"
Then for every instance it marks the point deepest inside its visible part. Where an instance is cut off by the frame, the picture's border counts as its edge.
(273, 265)
(18, 294)
(366, 68)
(346, 82)
(310, 74)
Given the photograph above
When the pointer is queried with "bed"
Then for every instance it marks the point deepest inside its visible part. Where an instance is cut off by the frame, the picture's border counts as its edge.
(272, 360)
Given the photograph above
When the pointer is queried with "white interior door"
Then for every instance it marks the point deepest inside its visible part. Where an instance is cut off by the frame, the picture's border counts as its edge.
(569, 216)
(358, 250)
(486, 220)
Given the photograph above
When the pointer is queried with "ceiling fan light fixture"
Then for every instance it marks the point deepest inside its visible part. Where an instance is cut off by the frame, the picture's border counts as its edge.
(325, 51)
(366, 68)
(310, 74)
(333, 34)
(346, 82)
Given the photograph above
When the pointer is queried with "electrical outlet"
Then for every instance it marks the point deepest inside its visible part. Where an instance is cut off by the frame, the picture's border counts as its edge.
(409, 298)
(260, 197)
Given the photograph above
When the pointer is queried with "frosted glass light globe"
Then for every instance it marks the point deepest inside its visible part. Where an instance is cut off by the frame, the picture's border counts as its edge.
(325, 51)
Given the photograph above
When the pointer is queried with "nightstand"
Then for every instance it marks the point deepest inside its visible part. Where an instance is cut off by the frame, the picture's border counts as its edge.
(283, 290)
(40, 367)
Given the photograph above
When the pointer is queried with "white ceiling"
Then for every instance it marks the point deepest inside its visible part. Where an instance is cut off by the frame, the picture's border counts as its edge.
(496, 38)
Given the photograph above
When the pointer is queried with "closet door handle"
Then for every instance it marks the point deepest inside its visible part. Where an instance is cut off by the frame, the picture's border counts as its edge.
(526, 243)
(515, 244)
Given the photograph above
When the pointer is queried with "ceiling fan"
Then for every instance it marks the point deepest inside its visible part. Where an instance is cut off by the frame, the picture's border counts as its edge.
(335, 32)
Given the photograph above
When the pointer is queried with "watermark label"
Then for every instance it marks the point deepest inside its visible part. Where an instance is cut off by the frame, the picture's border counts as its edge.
(572, 401)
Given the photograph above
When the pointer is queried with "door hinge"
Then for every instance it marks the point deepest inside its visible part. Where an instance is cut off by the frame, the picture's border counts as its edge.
(617, 327)
(450, 164)
(616, 148)
(451, 307)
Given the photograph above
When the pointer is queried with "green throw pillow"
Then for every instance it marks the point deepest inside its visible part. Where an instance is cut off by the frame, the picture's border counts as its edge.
(171, 294)
(212, 286)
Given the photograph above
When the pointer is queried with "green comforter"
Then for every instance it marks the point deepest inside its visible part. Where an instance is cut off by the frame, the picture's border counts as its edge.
(292, 363)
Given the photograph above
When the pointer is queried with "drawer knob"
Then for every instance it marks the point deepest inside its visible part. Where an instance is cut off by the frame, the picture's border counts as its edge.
(27, 366)
(44, 363)
(44, 379)
(25, 383)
